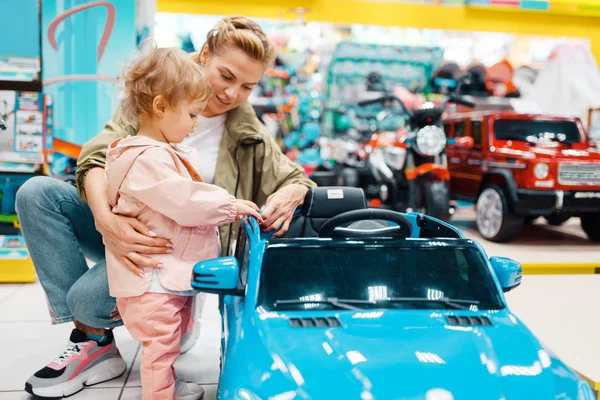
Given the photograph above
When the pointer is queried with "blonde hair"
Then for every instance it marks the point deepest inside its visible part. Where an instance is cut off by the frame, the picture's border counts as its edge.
(243, 33)
(168, 72)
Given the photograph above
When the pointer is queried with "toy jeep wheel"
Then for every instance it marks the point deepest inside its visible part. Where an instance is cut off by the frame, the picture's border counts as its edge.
(495, 221)
(437, 200)
(590, 223)
(530, 218)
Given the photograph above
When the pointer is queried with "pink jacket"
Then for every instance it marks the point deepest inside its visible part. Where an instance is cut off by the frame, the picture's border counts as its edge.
(154, 183)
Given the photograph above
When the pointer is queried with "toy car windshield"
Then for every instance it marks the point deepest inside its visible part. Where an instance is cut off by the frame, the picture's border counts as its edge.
(376, 274)
(537, 131)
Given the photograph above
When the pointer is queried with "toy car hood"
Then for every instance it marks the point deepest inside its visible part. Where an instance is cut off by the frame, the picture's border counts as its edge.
(379, 354)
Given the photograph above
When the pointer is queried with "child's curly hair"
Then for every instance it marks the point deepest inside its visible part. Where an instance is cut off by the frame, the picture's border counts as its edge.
(169, 72)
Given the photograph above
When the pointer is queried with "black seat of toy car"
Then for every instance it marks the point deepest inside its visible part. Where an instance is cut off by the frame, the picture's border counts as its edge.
(321, 204)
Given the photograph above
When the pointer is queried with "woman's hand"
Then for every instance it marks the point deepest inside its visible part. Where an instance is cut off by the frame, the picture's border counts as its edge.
(280, 208)
(128, 239)
(245, 207)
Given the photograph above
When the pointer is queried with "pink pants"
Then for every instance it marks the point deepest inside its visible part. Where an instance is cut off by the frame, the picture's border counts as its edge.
(158, 320)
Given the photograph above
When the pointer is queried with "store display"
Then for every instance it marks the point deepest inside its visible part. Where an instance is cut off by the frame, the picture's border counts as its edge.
(403, 170)
(353, 63)
(569, 84)
(27, 118)
(82, 76)
(594, 125)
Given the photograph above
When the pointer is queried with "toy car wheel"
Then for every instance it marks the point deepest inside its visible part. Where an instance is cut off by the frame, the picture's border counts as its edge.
(437, 200)
(495, 221)
(557, 220)
(590, 223)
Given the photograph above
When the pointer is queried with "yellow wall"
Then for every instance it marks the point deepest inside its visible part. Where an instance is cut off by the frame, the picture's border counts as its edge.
(401, 14)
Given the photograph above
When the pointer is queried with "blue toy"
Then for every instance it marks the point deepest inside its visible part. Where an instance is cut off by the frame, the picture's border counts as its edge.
(357, 303)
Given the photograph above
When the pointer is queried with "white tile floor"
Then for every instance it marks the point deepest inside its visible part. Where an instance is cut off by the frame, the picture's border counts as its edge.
(560, 309)
(29, 341)
(538, 243)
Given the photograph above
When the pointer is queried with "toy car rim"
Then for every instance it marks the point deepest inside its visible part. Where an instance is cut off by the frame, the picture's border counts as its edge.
(489, 213)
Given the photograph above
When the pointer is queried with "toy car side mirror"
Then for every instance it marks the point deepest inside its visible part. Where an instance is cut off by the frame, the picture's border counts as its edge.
(465, 142)
(508, 272)
(216, 275)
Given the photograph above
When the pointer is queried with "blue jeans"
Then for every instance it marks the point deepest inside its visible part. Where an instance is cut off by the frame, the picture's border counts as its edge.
(60, 234)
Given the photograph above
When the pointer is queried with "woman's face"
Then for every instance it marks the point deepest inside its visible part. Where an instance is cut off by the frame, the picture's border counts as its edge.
(232, 77)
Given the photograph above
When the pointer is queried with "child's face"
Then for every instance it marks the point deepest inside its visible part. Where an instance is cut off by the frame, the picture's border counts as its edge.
(178, 122)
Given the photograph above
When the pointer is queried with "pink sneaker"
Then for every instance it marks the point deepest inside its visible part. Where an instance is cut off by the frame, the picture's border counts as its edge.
(84, 363)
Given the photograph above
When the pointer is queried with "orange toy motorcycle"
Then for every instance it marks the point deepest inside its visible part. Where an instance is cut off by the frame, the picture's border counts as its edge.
(408, 169)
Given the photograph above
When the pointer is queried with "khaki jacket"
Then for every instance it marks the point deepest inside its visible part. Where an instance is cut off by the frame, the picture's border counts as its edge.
(264, 169)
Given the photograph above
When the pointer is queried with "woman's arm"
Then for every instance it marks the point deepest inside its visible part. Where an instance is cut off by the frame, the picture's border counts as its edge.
(93, 153)
(278, 171)
(127, 238)
(283, 184)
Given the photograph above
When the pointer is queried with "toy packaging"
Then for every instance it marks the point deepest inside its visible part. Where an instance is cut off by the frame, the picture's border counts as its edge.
(23, 143)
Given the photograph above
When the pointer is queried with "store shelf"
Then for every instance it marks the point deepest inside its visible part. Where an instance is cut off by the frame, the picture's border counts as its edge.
(560, 7)
(17, 271)
(15, 263)
(561, 268)
(8, 218)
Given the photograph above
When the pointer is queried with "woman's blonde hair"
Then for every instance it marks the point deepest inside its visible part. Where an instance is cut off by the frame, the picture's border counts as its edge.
(168, 72)
(243, 33)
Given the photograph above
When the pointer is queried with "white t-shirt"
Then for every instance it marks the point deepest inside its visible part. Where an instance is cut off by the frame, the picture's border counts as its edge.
(206, 139)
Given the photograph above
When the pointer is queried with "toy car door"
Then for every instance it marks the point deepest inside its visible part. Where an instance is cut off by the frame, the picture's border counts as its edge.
(473, 158)
(457, 158)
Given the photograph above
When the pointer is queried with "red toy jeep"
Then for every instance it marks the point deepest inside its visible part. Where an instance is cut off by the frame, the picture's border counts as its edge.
(518, 167)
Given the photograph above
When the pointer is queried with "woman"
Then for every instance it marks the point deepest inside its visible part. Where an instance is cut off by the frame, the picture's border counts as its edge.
(62, 227)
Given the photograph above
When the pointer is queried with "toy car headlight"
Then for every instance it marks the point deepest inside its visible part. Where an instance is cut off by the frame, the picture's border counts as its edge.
(541, 170)
(431, 140)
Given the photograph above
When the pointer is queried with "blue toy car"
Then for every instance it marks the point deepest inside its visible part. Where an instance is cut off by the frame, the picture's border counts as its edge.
(357, 303)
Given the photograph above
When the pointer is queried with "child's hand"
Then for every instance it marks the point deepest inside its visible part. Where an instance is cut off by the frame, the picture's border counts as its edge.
(245, 207)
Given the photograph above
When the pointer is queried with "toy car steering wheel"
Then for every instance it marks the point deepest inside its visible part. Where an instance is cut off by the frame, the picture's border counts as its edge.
(334, 226)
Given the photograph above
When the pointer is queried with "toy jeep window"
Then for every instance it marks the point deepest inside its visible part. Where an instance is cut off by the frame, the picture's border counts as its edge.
(537, 131)
(460, 128)
(476, 132)
(448, 129)
(300, 278)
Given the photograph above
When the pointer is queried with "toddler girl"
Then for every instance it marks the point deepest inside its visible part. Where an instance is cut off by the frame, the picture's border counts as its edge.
(152, 177)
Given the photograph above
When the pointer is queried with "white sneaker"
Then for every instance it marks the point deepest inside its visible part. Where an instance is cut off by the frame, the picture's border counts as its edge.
(188, 390)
